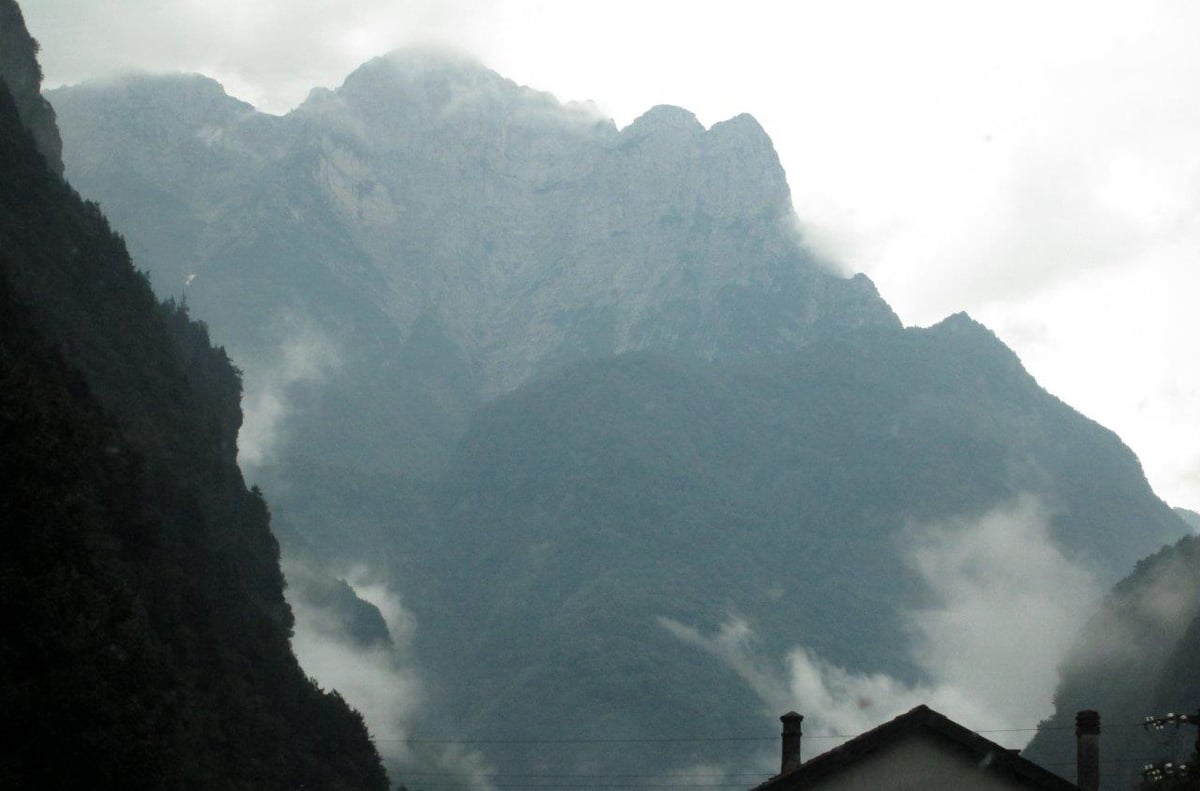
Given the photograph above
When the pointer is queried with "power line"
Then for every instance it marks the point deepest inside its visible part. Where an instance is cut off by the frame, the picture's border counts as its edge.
(630, 740)
(551, 783)
(604, 775)
(710, 739)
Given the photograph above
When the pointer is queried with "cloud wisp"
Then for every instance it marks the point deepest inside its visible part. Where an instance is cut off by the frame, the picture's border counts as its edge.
(1003, 606)
(369, 675)
(306, 355)
(374, 667)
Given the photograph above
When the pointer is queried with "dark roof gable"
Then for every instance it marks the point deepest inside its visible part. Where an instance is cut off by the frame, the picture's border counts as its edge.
(997, 759)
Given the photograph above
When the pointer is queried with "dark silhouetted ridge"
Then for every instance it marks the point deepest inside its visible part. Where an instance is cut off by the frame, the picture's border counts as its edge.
(147, 637)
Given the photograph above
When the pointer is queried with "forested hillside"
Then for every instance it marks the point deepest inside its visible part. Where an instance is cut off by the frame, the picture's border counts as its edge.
(1137, 658)
(146, 631)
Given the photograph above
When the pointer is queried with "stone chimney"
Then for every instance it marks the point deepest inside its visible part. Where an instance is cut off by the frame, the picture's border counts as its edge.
(791, 742)
(1087, 750)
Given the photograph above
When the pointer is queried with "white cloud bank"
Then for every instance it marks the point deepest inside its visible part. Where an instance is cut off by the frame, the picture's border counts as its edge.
(1004, 606)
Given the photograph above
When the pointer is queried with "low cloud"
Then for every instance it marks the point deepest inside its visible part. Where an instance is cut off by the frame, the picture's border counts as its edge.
(270, 54)
(305, 355)
(371, 677)
(377, 674)
(733, 644)
(1005, 605)
(1002, 606)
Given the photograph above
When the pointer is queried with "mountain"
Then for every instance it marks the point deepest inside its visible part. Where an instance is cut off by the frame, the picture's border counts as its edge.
(591, 514)
(449, 234)
(1135, 659)
(146, 631)
(585, 399)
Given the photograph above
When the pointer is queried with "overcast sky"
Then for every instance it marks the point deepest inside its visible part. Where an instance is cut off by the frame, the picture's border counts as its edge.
(1036, 164)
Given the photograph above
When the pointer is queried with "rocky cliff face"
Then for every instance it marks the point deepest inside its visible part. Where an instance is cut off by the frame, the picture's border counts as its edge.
(448, 235)
(530, 232)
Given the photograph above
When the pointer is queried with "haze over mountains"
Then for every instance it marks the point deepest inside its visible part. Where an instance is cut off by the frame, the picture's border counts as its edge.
(632, 456)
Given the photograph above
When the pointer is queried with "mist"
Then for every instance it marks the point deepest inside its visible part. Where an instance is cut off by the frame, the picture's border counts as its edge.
(1005, 605)
(1143, 623)
(379, 677)
(1001, 607)
(305, 355)
(371, 677)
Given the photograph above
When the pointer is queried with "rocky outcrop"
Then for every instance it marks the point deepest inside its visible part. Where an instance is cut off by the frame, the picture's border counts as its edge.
(19, 68)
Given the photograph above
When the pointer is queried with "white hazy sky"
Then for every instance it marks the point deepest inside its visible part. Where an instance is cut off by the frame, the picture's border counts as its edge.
(1036, 164)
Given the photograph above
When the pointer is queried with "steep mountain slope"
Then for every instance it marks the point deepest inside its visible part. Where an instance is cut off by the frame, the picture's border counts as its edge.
(1189, 517)
(584, 397)
(585, 509)
(1136, 658)
(146, 632)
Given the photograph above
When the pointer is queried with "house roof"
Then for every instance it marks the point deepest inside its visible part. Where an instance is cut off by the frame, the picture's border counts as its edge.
(925, 720)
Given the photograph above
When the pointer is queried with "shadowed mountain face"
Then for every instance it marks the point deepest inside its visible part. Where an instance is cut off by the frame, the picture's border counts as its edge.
(584, 397)
(592, 519)
(22, 73)
(146, 640)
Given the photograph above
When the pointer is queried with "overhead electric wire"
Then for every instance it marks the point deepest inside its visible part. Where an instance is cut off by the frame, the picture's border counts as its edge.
(598, 783)
(581, 740)
(708, 739)
(680, 775)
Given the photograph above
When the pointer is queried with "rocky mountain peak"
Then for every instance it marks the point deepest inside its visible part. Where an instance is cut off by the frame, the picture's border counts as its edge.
(663, 119)
(439, 101)
(175, 101)
(732, 168)
(527, 233)
(964, 328)
(431, 71)
(742, 136)
(961, 323)
(433, 83)
(159, 111)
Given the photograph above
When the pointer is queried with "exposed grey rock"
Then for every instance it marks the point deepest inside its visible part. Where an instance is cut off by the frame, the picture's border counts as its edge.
(429, 191)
